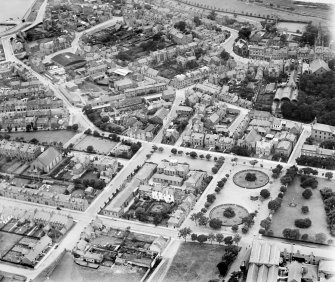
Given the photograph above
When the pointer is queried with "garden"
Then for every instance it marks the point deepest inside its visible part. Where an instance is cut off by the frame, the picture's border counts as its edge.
(299, 212)
(251, 179)
(229, 214)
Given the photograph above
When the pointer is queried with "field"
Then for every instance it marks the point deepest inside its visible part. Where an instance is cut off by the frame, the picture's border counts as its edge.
(305, 14)
(69, 271)
(7, 241)
(45, 136)
(286, 215)
(195, 262)
(100, 145)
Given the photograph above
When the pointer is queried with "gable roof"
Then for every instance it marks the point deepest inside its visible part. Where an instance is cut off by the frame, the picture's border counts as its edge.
(48, 156)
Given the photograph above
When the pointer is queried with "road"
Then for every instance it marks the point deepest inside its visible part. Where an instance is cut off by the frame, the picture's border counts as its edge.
(297, 148)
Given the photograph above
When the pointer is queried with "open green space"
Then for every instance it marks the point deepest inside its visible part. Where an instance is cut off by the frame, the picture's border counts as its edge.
(100, 145)
(7, 241)
(195, 262)
(69, 271)
(240, 213)
(291, 210)
(261, 179)
(45, 136)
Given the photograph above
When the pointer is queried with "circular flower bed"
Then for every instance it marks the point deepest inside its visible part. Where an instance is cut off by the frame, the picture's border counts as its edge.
(219, 212)
(251, 179)
(229, 212)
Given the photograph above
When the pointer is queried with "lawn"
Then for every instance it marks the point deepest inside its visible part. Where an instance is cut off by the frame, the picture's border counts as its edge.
(195, 262)
(100, 145)
(69, 271)
(7, 241)
(286, 215)
(45, 136)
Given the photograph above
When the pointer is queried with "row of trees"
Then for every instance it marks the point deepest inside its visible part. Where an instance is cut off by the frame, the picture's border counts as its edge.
(328, 197)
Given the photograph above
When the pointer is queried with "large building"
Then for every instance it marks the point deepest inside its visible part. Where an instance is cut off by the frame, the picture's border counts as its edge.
(47, 160)
(69, 60)
(322, 132)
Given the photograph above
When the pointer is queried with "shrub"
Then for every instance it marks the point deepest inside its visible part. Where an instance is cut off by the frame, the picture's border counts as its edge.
(215, 170)
(234, 227)
(194, 237)
(281, 195)
(215, 223)
(261, 231)
(265, 193)
(203, 210)
(229, 212)
(303, 223)
(304, 237)
(307, 194)
(207, 205)
(291, 233)
(245, 229)
(250, 177)
(217, 189)
(283, 189)
(305, 209)
(211, 198)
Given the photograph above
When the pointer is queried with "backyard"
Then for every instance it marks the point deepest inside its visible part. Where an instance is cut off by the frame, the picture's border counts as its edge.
(195, 262)
(291, 210)
(45, 136)
(7, 241)
(100, 145)
(69, 271)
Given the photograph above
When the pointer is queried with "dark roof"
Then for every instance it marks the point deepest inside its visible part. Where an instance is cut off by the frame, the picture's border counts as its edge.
(67, 59)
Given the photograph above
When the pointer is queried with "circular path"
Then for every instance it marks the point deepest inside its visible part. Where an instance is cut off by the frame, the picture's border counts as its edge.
(261, 179)
(240, 212)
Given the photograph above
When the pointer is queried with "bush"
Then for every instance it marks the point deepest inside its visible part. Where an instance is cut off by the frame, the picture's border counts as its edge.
(229, 212)
(211, 198)
(215, 223)
(283, 189)
(207, 205)
(291, 233)
(265, 193)
(261, 231)
(245, 229)
(304, 237)
(303, 223)
(305, 209)
(307, 194)
(250, 177)
(203, 210)
(217, 189)
(281, 195)
(215, 170)
(234, 227)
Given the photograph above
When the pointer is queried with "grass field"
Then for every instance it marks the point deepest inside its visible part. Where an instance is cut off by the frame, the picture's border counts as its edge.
(195, 262)
(286, 215)
(100, 145)
(45, 136)
(7, 241)
(69, 271)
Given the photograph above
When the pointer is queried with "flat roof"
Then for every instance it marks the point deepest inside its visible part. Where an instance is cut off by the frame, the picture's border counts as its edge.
(67, 59)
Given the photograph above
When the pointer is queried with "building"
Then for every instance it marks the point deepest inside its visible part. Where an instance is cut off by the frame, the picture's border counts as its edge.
(318, 67)
(146, 172)
(47, 160)
(322, 132)
(37, 250)
(69, 60)
(284, 148)
(264, 262)
(163, 193)
(315, 151)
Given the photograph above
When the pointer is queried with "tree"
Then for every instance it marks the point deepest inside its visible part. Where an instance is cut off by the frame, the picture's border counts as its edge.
(329, 175)
(303, 223)
(174, 151)
(96, 133)
(75, 127)
(291, 233)
(202, 238)
(274, 204)
(224, 55)
(197, 21)
(140, 213)
(215, 170)
(195, 216)
(194, 237)
(265, 193)
(212, 15)
(160, 149)
(244, 33)
(154, 147)
(234, 228)
(266, 223)
(211, 198)
(219, 238)
(184, 232)
(305, 209)
(193, 155)
(181, 25)
(253, 162)
(215, 223)
(88, 131)
(211, 237)
(90, 149)
(307, 193)
(237, 238)
(331, 64)
(228, 240)
(208, 157)
(203, 220)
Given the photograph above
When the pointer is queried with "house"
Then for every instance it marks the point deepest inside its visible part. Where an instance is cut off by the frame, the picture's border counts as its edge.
(163, 193)
(263, 148)
(322, 132)
(123, 150)
(318, 67)
(173, 168)
(315, 151)
(194, 179)
(168, 179)
(284, 148)
(37, 250)
(146, 172)
(47, 160)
